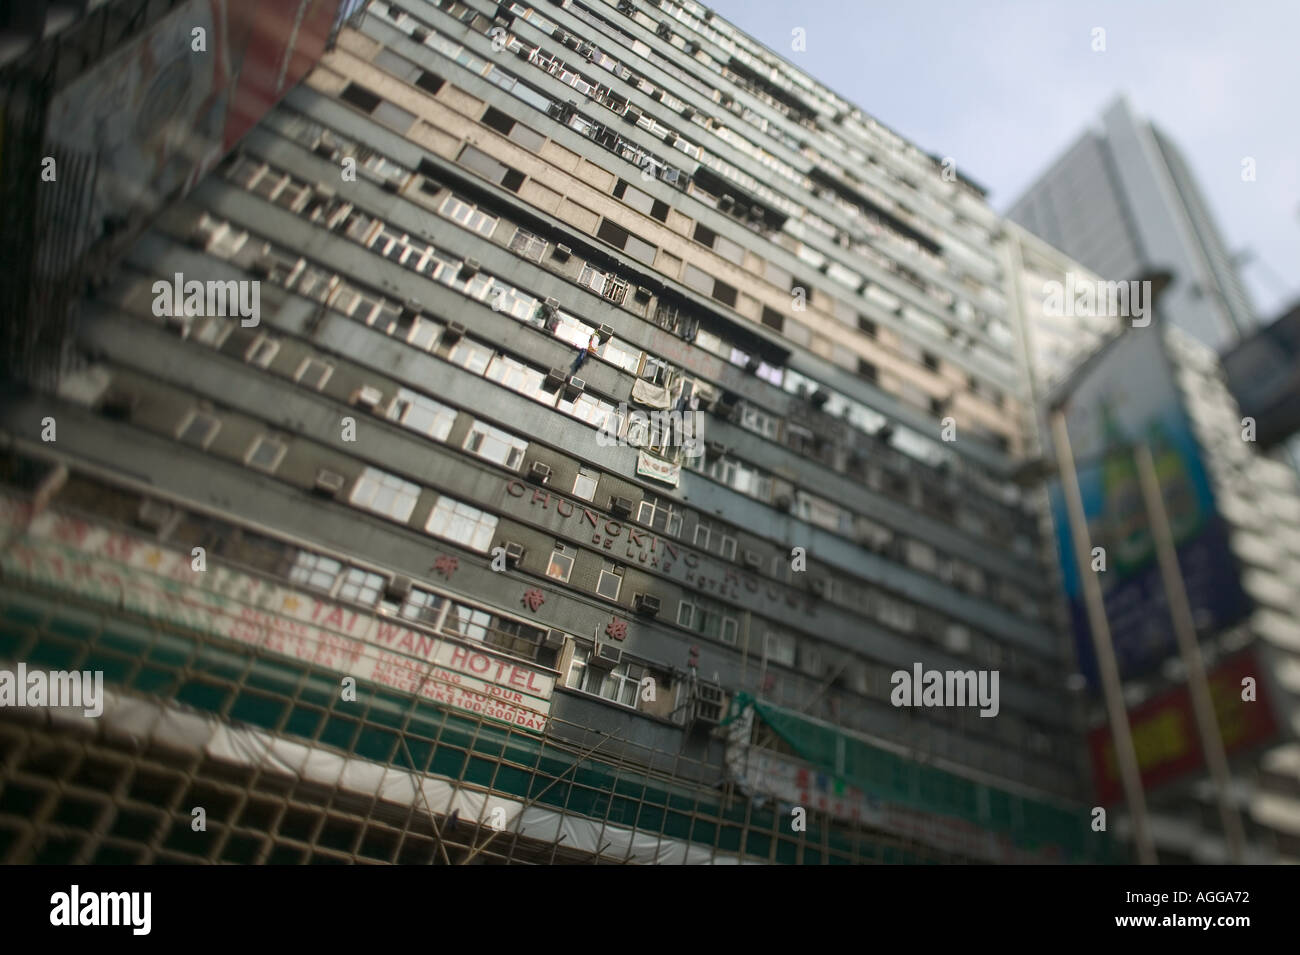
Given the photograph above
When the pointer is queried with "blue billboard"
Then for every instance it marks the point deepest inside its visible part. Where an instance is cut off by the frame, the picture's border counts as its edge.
(1126, 396)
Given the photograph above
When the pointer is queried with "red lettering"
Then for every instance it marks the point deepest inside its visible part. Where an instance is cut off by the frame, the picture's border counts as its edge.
(561, 504)
(516, 678)
(543, 496)
(618, 528)
(515, 488)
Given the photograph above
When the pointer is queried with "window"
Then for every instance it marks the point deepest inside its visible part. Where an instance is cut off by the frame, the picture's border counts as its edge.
(493, 444)
(561, 565)
(384, 493)
(867, 326)
(423, 606)
(422, 414)
(622, 684)
(429, 82)
(528, 246)
(462, 523)
(470, 355)
(610, 582)
(758, 421)
(710, 621)
(314, 571)
(779, 648)
(660, 515)
(213, 331)
(584, 485)
(458, 210)
(867, 370)
(773, 318)
(620, 238)
(265, 454)
(360, 586)
(930, 361)
(313, 373)
(528, 138)
(198, 429)
(703, 532)
(360, 97)
(261, 351)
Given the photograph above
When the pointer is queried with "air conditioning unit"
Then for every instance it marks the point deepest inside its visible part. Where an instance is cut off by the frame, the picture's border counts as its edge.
(574, 387)
(411, 308)
(664, 30)
(539, 473)
(367, 396)
(784, 502)
(550, 306)
(324, 193)
(725, 203)
(606, 332)
(329, 482)
(469, 268)
(554, 379)
(707, 706)
(562, 252)
(514, 552)
(455, 331)
(632, 115)
(820, 397)
(642, 294)
(647, 604)
(391, 184)
(397, 589)
(753, 363)
(752, 560)
(606, 657)
(621, 506)
(715, 449)
(553, 640)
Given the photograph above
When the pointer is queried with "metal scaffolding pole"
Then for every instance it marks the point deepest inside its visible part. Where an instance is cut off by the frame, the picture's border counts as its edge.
(1180, 611)
(1099, 625)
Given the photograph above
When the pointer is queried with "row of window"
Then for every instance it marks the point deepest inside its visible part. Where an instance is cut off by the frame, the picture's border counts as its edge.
(513, 374)
(645, 251)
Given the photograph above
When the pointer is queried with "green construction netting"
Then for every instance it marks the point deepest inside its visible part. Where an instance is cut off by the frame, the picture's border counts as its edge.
(1030, 824)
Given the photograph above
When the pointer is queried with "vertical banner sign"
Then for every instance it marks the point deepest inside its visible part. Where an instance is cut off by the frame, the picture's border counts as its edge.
(1128, 396)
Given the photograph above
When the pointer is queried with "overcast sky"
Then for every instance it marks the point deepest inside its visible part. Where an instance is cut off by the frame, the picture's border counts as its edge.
(1004, 87)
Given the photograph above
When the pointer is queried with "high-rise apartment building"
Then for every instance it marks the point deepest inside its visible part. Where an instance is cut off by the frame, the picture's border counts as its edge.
(582, 416)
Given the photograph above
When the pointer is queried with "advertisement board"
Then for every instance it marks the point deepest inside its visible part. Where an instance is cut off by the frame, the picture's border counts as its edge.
(1124, 396)
(138, 575)
(1164, 729)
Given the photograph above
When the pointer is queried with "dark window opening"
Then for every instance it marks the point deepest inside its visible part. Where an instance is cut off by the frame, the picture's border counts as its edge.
(930, 361)
(360, 97)
(704, 235)
(513, 179)
(612, 233)
(724, 293)
(867, 370)
(429, 82)
(773, 318)
(620, 189)
(868, 326)
(495, 119)
(660, 210)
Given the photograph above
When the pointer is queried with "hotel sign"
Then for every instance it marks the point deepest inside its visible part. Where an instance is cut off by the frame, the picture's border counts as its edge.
(136, 574)
(637, 544)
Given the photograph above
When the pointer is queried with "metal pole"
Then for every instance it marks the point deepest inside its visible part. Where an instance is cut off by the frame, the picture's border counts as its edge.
(1099, 625)
(1180, 611)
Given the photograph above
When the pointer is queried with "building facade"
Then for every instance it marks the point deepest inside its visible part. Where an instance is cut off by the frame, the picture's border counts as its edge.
(617, 408)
